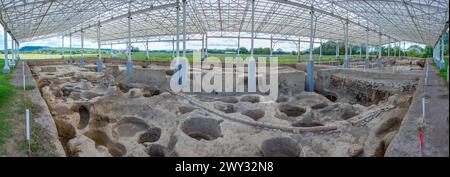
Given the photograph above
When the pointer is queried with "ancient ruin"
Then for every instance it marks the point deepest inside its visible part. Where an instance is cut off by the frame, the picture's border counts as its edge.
(352, 113)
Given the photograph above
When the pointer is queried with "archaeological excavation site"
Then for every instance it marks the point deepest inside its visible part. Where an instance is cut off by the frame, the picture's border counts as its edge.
(349, 88)
(350, 113)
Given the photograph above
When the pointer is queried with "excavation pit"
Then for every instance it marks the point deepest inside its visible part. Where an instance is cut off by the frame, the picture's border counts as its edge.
(291, 111)
(202, 128)
(126, 116)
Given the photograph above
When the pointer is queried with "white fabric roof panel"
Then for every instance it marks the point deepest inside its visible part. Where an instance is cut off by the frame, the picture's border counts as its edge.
(420, 21)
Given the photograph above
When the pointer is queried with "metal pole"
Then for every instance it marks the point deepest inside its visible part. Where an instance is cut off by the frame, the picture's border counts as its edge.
(442, 63)
(62, 46)
(399, 50)
(111, 52)
(17, 51)
(337, 52)
(310, 64)
(12, 62)
(27, 125)
(360, 51)
(320, 50)
(298, 51)
(5, 38)
(394, 55)
(129, 38)
(366, 62)
(271, 46)
(379, 61)
(23, 76)
(350, 52)
(404, 49)
(251, 62)
(346, 60)
(70, 48)
(12, 52)
(146, 50)
(206, 46)
(99, 60)
(173, 47)
(389, 51)
(202, 50)
(253, 28)
(129, 62)
(239, 45)
(178, 30)
(184, 28)
(82, 49)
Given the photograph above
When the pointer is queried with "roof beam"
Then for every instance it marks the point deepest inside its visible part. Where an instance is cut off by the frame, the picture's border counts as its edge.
(288, 2)
(152, 8)
(5, 27)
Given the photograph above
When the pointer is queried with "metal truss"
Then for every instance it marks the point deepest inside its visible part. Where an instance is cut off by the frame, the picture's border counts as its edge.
(420, 21)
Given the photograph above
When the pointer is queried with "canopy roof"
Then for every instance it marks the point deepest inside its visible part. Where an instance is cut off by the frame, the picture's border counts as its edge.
(420, 21)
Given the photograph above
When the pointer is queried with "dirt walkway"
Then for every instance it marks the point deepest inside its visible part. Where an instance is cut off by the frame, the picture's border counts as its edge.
(436, 138)
(42, 143)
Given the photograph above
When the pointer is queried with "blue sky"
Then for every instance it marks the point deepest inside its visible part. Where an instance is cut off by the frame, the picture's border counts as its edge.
(212, 44)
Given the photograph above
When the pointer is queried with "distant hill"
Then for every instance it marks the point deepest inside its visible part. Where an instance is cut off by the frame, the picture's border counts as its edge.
(33, 48)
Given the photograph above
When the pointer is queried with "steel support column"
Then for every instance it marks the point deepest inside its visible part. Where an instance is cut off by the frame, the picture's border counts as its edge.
(62, 46)
(70, 48)
(251, 61)
(320, 51)
(206, 47)
(173, 47)
(239, 45)
(17, 52)
(178, 31)
(271, 47)
(310, 64)
(399, 50)
(252, 40)
(99, 55)
(112, 51)
(13, 57)
(404, 49)
(366, 60)
(298, 50)
(184, 28)
(82, 62)
(360, 51)
(346, 59)
(12, 62)
(394, 56)
(389, 51)
(5, 38)
(202, 50)
(146, 50)
(337, 52)
(129, 62)
(379, 60)
(442, 62)
(350, 52)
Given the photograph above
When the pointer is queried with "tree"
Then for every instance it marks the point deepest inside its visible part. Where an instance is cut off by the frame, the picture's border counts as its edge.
(243, 50)
(135, 49)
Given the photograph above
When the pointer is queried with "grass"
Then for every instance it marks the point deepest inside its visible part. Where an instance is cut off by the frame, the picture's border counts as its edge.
(442, 73)
(13, 104)
(168, 56)
(28, 56)
(7, 93)
(40, 145)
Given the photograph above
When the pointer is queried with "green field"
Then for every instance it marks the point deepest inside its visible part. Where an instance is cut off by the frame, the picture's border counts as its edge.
(6, 95)
(168, 56)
